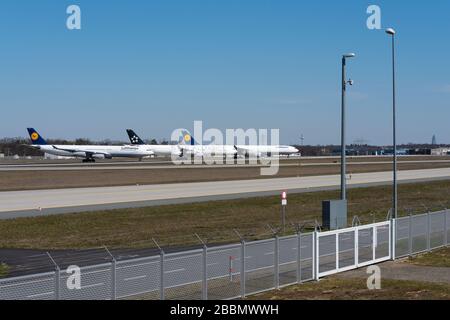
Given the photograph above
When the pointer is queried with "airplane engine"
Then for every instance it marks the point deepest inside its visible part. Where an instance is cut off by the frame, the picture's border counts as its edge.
(79, 154)
(148, 154)
(101, 156)
(252, 154)
(178, 153)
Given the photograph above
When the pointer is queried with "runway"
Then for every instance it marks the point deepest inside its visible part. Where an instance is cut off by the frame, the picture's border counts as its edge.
(56, 201)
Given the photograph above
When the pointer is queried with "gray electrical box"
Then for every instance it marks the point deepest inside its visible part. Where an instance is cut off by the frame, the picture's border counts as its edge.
(334, 214)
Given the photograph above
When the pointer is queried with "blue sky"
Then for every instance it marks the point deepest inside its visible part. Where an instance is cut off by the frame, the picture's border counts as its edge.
(159, 65)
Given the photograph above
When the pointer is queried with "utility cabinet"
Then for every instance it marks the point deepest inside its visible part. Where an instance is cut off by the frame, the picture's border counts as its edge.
(334, 214)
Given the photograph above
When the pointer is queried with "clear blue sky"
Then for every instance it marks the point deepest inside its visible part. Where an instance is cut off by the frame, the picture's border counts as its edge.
(158, 65)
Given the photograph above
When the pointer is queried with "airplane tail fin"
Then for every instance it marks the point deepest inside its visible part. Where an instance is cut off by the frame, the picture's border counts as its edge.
(134, 138)
(36, 137)
(188, 138)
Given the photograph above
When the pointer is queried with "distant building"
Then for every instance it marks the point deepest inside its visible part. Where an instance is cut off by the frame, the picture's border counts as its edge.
(433, 140)
(419, 151)
(358, 150)
(440, 151)
(400, 152)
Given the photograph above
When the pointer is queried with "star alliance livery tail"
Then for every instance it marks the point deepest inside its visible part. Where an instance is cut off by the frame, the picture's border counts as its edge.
(134, 138)
(36, 139)
(186, 139)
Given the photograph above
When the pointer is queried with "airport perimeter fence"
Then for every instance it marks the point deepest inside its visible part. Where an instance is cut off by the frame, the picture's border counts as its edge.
(237, 270)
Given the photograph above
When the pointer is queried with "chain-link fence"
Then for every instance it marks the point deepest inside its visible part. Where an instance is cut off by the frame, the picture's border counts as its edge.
(420, 233)
(236, 270)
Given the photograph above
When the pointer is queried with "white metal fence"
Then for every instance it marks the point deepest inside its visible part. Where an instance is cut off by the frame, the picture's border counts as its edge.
(351, 248)
(236, 270)
(421, 233)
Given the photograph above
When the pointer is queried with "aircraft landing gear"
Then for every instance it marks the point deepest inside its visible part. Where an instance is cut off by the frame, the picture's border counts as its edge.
(88, 160)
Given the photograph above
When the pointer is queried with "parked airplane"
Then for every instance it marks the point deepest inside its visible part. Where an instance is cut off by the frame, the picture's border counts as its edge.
(255, 151)
(185, 148)
(190, 146)
(157, 149)
(89, 152)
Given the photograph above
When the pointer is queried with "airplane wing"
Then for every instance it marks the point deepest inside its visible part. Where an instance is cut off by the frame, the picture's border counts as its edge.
(89, 153)
(240, 150)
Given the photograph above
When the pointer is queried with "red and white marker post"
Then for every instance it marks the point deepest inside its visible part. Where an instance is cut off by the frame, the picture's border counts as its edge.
(283, 209)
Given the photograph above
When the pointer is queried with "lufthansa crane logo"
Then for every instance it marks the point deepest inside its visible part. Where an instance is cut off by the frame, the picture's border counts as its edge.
(34, 136)
(187, 138)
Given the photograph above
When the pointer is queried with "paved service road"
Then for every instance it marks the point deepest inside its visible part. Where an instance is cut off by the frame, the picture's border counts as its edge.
(41, 202)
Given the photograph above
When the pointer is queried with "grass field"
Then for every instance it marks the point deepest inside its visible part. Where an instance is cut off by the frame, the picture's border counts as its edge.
(436, 258)
(31, 180)
(213, 221)
(335, 288)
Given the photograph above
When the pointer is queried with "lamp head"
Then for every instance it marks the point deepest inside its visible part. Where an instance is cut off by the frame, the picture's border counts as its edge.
(349, 55)
(390, 31)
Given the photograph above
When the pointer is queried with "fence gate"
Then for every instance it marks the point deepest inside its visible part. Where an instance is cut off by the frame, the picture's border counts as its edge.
(351, 248)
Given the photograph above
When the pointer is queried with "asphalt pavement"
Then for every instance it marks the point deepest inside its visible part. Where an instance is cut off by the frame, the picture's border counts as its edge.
(14, 204)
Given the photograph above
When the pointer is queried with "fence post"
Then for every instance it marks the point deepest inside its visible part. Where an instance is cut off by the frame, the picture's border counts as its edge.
(356, 249)
(113, 273)
(204, 268)
(57, 276)
(410, 236)
(393, 237)
(316, 255)
(113, 279)
(161, 280)
(277, 262)
(243, 268)
(57, 282)
(446, 228)
(161, 270)
(205, 273)
(428, 232)
(374, 242)
(299, 257)
(337, 251)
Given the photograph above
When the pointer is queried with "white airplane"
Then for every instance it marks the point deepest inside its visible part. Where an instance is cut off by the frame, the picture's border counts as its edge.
(181, 150)
(89, 152)
(157, 149)
(235, 151)
(247, 151)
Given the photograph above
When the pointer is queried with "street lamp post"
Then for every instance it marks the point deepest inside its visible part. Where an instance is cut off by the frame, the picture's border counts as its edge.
(391, 32)
(343, 148)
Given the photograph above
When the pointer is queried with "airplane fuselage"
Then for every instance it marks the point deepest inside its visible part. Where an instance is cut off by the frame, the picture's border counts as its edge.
(93, 151)
(240, 150)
